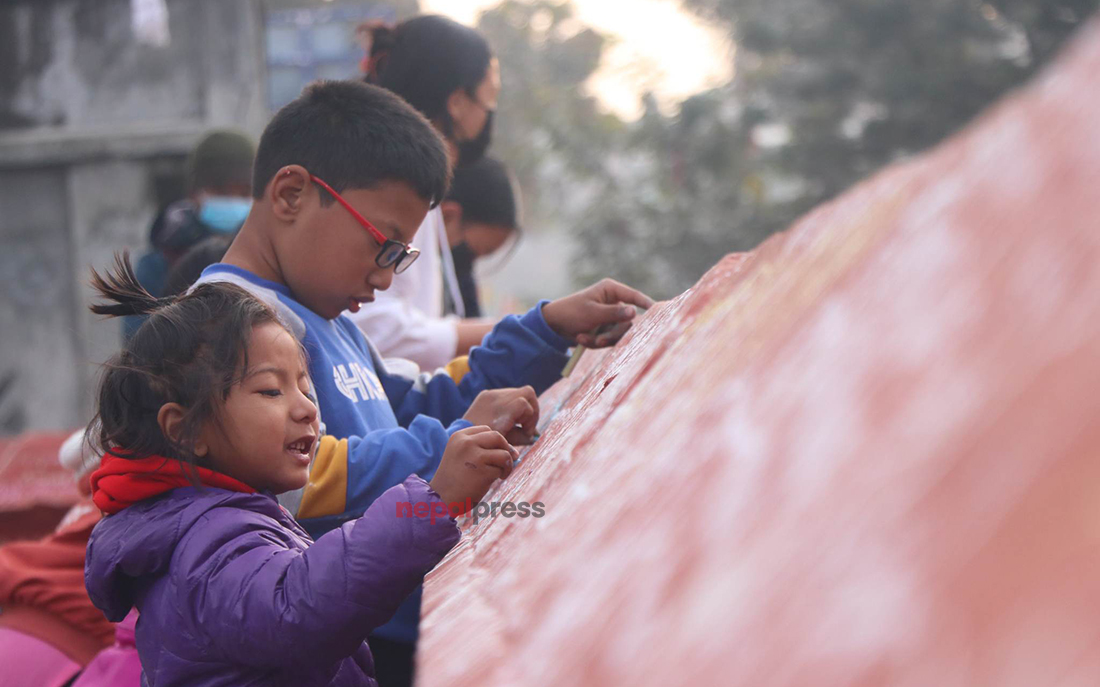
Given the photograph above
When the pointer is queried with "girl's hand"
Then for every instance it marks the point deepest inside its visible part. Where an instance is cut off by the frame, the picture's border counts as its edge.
(607, 306)
(475, 457)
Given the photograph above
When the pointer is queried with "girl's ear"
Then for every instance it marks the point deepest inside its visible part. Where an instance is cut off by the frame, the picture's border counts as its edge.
(457, 102)
(170, 418)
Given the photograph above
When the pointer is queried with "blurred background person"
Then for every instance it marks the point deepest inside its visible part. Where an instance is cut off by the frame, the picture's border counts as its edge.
(447, 72)
(49, 629)
(219, 182)
(191, 264)
(481, 216)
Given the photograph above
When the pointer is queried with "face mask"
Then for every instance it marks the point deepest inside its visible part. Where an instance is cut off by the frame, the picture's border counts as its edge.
(463, 257)
(224, 214)
(471, 151)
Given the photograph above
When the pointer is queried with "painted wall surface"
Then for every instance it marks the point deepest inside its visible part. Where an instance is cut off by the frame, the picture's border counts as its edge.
(863, 454)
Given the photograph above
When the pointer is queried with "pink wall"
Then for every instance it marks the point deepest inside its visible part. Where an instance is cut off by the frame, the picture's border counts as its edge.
(865, 453)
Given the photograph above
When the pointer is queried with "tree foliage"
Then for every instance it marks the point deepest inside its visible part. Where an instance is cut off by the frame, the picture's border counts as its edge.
(825, 93)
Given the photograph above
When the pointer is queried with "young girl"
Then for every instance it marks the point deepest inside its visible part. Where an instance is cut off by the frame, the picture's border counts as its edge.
(206, 415)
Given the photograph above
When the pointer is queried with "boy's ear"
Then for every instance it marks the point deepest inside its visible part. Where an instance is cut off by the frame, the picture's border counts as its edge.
(288, 189)
(452, 220)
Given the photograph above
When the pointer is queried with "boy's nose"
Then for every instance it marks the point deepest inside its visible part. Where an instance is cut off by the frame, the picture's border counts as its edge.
(381, 278)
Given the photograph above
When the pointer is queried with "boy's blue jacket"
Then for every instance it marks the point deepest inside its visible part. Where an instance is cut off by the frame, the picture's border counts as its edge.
(394, 420)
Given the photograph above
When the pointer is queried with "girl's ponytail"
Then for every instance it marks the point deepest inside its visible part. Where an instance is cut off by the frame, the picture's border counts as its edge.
(120, 285)
(381, 37)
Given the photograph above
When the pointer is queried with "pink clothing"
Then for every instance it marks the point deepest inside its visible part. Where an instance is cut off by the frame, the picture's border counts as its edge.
(117, 665)
(28, 660)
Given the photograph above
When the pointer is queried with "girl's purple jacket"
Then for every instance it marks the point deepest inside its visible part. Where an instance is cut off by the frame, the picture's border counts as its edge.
(232, 591)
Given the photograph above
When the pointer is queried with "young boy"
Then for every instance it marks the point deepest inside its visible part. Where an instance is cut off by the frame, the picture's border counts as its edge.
(218, 199)
(343, 177)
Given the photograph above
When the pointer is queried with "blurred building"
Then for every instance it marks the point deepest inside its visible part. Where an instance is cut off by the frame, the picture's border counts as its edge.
(100, 101)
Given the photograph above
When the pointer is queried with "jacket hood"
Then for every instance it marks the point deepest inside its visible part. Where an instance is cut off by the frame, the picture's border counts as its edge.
(130, 548)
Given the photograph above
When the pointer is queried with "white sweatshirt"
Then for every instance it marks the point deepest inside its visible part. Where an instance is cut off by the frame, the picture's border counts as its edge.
(406, 320)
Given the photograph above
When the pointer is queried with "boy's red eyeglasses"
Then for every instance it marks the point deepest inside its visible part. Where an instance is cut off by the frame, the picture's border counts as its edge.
(399, 255)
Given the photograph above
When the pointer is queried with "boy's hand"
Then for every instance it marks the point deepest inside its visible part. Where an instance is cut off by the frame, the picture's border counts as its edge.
(608, 305)
(475, 457)
(512, 412)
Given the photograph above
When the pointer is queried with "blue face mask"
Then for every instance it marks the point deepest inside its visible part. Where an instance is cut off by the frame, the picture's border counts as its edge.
(224, 214)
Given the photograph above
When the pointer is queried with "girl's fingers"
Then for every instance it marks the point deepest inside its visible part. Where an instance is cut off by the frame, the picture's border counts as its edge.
(499, 460)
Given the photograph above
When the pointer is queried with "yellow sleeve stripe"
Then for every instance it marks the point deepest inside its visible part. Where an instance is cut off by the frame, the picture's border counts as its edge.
(326, 493)
(458, 368)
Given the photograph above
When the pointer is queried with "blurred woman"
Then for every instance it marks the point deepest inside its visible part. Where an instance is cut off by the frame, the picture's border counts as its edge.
(447, 72)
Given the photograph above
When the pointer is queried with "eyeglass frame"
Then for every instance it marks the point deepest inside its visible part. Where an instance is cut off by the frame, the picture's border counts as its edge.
(408, 254)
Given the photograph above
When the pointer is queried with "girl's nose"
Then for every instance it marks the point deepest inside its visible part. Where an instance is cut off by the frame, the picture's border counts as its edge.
(305, 410)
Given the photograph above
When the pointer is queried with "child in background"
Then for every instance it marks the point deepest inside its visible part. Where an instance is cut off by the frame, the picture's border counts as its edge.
(191, 264)
(481, 215)
(344, 176)
(206, 414)
(218, 175)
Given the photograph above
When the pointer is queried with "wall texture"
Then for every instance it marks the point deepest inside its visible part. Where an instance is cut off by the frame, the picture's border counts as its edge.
(863, 454)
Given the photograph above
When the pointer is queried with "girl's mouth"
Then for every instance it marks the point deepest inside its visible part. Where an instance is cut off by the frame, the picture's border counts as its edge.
(302, 446)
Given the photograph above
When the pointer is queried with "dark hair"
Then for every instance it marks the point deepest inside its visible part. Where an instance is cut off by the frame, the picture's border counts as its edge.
(222, 158)
(486, 192)
(191, 264)
(353, 135)
(427, 58)
(190, 351)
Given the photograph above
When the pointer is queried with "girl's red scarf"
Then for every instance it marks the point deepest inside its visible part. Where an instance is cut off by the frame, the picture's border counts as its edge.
(121, 482)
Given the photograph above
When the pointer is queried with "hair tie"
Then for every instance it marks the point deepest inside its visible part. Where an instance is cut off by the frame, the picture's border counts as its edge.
(365, 34)
(372, 64)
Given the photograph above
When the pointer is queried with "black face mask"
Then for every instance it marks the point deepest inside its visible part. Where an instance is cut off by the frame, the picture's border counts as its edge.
(463, 257)
(473, 150)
